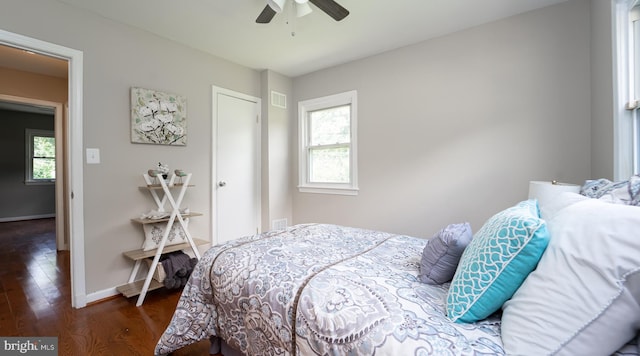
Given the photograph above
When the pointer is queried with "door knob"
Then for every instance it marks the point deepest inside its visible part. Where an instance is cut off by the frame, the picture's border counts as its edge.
(222, 183)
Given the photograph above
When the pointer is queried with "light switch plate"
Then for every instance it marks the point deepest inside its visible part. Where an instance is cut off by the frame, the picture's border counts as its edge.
(93, 155)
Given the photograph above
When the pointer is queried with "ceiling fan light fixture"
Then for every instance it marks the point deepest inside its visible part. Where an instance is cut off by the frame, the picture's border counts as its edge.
(302, 8)
(276, 5)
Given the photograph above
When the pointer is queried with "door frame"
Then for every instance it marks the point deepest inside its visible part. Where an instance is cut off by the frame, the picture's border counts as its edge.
(75, 195)
(214, 154)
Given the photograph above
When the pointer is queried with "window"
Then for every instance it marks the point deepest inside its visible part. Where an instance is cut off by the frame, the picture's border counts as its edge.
(627, 87)
(41, 156)
(327, 136)
(634, 79)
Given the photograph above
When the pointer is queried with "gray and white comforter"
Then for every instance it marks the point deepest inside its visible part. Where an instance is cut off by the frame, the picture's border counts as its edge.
(325, 290)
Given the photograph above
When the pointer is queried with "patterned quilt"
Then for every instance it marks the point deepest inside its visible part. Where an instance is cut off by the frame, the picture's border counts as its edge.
(322, 290)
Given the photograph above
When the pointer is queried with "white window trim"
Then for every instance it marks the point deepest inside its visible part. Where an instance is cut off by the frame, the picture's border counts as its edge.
(29, 134)
(304, 107)
(625, 120)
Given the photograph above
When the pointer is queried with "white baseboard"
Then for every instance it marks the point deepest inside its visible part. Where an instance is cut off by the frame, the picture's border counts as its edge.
(102, 294)
(28, 217)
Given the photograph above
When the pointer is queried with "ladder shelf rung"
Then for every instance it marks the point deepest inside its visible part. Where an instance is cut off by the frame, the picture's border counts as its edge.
(153, 221)
(141, 254)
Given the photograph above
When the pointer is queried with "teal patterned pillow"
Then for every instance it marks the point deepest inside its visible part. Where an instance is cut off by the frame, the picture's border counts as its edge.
(496, 262)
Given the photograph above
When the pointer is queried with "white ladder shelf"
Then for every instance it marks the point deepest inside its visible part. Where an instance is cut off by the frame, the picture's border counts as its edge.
(155, 185)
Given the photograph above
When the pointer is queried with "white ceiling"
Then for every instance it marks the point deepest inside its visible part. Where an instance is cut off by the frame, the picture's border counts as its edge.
(26, 61)
(19, 59)
(296, 46)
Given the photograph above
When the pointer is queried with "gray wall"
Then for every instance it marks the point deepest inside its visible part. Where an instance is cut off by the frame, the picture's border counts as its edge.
(17, 200)
(276, 149)
(602, 107)
(117, 57)
(454, 128)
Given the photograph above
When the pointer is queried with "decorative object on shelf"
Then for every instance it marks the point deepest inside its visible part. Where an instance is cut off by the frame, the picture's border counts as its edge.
(158, 117)
(177, 267)
(159, 274)
(161, 214)
(180, 174)
(153, 234)
(163, 169)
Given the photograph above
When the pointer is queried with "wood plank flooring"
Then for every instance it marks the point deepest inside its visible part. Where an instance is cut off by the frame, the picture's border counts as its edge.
(35, 300)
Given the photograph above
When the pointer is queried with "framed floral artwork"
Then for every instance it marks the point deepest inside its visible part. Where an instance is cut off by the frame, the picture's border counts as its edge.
(158, 118)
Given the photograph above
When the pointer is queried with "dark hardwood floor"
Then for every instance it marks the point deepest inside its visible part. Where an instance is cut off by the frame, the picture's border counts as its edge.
(35, 300)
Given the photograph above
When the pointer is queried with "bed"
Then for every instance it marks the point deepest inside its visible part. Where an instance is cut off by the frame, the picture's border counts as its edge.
(321, 289)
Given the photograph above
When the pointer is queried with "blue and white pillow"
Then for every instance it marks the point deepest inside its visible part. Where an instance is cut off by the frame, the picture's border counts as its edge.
(496, 262)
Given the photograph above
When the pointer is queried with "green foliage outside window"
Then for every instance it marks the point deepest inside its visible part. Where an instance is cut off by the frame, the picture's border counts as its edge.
(330, 165)
(44, 158)
(329, 141)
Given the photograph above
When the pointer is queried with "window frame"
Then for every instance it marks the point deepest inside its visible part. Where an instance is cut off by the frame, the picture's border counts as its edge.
(322, 103)
(634, 72)
(626, 90)
(29, 150)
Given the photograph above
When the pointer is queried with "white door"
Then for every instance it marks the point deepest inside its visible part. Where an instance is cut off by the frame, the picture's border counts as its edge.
(237, 167)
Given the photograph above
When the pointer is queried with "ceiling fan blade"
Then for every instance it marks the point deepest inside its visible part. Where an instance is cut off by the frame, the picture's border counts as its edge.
(332, 8)
(266, 15)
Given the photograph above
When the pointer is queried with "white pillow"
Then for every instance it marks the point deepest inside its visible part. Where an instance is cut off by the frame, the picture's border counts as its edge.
(583, 297)
(551, 207)
(153, 234)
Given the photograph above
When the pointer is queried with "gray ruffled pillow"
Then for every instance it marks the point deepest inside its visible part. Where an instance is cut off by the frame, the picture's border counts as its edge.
(442, 253)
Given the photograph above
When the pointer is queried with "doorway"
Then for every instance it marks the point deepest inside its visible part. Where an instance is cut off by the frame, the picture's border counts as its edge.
(29, 105)
(73, 196)
(236, 171)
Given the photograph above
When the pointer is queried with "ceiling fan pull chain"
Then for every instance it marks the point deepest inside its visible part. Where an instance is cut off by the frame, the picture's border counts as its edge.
(292, 19)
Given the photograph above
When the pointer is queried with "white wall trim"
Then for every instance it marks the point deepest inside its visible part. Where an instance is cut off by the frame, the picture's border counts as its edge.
(305, 106)
(101, 294)
(75, 174)
(27, 217)
(622, 118)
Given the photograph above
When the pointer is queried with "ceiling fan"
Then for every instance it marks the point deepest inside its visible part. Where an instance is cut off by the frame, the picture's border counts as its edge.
(332, 8)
